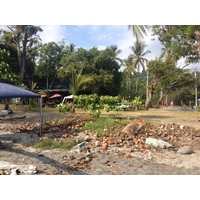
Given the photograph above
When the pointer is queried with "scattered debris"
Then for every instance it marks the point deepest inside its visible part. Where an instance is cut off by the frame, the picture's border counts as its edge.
(158, 143)
(13, 169)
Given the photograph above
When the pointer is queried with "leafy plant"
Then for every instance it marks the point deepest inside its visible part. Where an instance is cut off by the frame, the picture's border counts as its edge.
(137, 103)
(64, 108)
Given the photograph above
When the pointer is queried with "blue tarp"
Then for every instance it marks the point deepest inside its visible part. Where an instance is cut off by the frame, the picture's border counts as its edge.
(12, 91)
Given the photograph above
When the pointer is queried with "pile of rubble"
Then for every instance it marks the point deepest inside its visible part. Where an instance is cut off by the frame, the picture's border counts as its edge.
(135, 136)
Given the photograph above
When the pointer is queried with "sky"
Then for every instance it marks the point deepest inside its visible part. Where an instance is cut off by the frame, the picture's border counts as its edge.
(100, 36)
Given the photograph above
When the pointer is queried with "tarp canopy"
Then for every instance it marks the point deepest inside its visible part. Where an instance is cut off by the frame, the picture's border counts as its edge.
(11, 91)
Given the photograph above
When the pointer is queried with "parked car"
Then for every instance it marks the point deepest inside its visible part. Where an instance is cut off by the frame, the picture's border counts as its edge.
(123, 106)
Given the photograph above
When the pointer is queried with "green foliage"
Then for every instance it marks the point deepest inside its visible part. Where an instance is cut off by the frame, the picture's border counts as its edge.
(48, 143)
(89, 103)
(79, 80)
(49, 58)
(94, 103)
(64, 108)
(24, 38)
(33, 103)
(6, 73)
(185, 38)
(137, 103)
(101, 126)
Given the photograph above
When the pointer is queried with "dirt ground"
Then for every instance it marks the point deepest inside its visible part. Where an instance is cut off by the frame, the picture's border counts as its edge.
(114, 160)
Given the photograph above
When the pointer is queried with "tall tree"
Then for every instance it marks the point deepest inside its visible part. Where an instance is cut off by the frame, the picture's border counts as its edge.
(114, 52)
(128, 75)
(166, 76)
(186, 37)
(49, 59)
(24, 37)
(139, 59)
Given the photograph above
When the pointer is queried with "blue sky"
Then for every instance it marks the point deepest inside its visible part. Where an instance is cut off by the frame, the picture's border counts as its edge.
(100, 36)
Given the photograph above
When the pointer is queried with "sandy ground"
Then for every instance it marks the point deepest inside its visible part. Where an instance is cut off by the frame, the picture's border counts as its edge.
(108, 162)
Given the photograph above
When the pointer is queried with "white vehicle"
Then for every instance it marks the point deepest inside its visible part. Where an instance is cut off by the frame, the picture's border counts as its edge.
(67, 99)
(123, 106)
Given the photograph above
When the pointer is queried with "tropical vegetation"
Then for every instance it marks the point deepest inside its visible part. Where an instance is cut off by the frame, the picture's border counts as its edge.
(27, 62)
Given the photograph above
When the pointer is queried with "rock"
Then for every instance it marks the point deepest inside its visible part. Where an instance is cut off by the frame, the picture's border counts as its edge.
(185, 150)
(87, 138)
(181, 126)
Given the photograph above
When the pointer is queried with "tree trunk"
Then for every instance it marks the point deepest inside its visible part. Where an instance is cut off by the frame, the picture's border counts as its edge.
(147, 103)
(150, 94)
(159, 102)
(52, 82)
(47, 83)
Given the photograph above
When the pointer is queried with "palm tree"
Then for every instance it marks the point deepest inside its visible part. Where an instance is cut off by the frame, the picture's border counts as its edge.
(115, 52)
(128, 71)
(71, 48)
(139, 57)
(167, 51)
(139, 31)
(78, 80)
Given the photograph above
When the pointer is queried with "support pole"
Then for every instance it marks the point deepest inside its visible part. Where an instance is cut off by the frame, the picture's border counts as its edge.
(195, 78)
(41, 117)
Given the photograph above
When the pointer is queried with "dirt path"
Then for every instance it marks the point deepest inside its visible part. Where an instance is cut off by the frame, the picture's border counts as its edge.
(113, 160)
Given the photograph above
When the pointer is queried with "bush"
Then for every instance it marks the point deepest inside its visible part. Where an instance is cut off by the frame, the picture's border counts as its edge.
(64, 108)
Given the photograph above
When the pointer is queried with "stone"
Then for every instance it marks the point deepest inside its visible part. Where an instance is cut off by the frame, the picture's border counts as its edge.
(185, 150)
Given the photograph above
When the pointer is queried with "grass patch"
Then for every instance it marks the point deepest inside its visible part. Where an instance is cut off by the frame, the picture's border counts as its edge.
(104, 125)
(48, 143)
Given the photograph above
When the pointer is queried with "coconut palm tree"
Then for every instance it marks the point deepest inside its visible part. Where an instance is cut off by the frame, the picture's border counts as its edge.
(139, 59)
(115, 52)
(139, 31)
(167, 51)
(71, 48)
(128, 72)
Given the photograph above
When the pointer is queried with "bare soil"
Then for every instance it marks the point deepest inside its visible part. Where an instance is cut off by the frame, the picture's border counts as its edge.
(115, 159)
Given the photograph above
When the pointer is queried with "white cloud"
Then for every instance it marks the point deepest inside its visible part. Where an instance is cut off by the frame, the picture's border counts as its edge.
(53, 33)
(124, 44)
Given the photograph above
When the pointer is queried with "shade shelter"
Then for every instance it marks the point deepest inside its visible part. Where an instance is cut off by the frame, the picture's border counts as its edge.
(12, 91)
